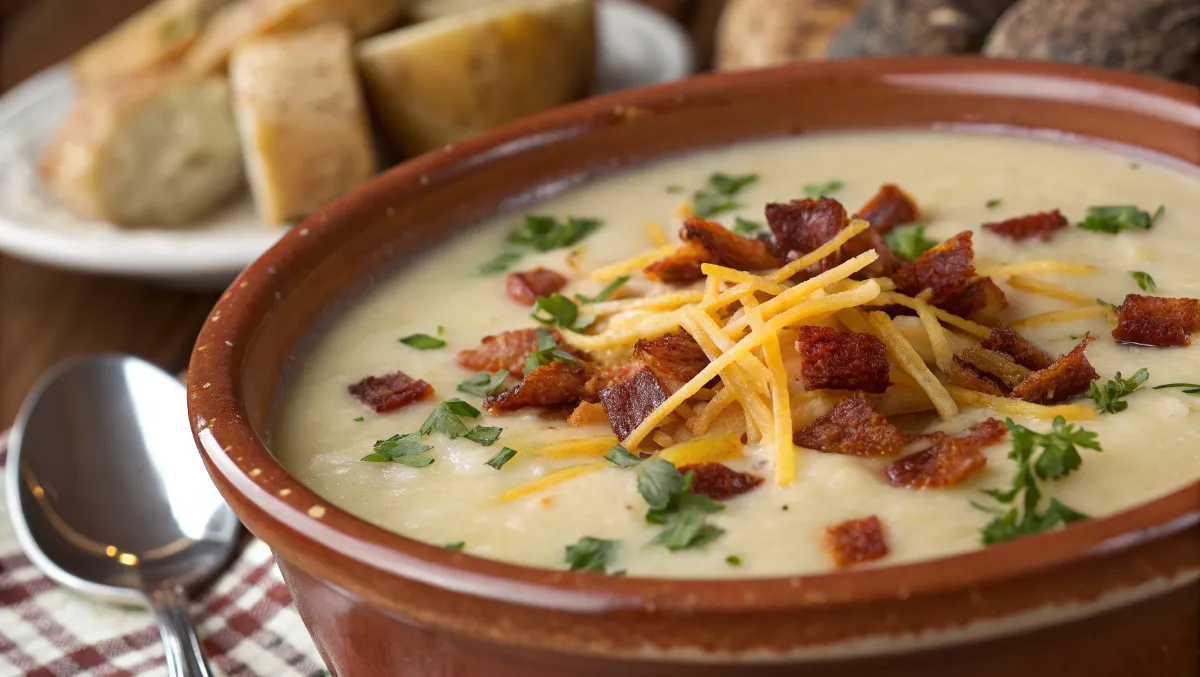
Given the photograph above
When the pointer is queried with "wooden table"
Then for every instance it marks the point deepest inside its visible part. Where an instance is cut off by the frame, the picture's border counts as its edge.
(47, 315)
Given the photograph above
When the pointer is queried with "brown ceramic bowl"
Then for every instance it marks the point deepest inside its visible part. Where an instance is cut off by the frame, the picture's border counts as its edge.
(1116, 596)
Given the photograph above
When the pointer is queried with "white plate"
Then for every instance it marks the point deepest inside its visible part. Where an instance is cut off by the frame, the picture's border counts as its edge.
(638, 47)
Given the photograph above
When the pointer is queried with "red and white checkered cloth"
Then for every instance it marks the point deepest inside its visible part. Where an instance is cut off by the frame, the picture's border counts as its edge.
(245, 620)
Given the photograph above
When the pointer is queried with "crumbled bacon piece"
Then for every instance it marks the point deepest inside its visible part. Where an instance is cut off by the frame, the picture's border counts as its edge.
(549, 385)
(727, 247)
(682, 267)
(1068, 376)
(525, 287)
(674, 358)
(871, 238)
(720, 482)
(946, 269)
(888, 208)
(855, 541)
(1041, 225)
(853, 428)
(601, 376)
(980, 301)
(800, 226)
(629, 401)
(587, 413)
(842, 360)
(1005, 339)
(507, 350)
(391, 391)
(1157, 320)
(950, 461)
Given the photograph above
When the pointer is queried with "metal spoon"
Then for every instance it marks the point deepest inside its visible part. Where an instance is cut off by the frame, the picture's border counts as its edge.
(108, 495)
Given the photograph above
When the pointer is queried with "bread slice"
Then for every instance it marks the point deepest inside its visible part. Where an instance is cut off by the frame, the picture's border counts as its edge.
(155, 37)
(436, 82)
(154, 151)
(305, 135)
(249, 19)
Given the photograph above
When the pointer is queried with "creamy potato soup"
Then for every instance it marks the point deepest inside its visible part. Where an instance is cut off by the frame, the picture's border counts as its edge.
(788, 409)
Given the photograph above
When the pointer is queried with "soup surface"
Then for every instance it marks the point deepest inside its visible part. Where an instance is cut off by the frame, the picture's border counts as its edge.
(960, 181)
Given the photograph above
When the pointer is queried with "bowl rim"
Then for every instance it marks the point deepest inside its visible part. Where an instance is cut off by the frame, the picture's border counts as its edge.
(253, 474)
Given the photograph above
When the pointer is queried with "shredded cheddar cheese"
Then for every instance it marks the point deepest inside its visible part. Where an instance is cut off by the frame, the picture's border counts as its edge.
(1013, 407)
(583, 446)
(1054, 291)
(709, 449)
(614, 270)
(550, 479)
(1058, 316)
(903, 352)
(1035, 267)
(657, 234)
(896, 298)
(660, 302)
(938, 343)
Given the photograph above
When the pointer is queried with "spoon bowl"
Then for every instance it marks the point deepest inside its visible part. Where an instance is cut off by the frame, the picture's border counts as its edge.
(107, 494)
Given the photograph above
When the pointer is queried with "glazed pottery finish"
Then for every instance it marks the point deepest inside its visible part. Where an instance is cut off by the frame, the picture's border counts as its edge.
(1113, 596)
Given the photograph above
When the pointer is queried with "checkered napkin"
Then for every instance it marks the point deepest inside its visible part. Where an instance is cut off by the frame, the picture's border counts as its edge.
(245, 620)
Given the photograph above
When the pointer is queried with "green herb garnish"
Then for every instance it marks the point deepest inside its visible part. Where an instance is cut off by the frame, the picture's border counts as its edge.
(358, 419)
(557, 310)
(717, 196)
(818, 190)
(446, 418)
(483, 435)
(1114, 219)
(1109, 399)
(621, 457)
(591, 554)
(544, 233)
(403, 449)
(503, 456)
(456, 546)
(484, 383)
(1144, 281)
(423, 342)
(674, 505)
(1189, 388)
(993, 203)
(1058, 457)
(547, 352)
(674, 188)
(733, 561)
(746, 227)
(604, 293)
(501, 263)
(909, 242)
(1106, 304)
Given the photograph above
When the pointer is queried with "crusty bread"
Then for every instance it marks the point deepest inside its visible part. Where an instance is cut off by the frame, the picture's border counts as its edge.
(758, 33)
(436, 82)
(155, 37)
(300, 112)
(154, 151)
(249, 19)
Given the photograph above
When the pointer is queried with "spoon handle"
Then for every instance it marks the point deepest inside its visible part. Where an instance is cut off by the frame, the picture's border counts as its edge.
(185, 658)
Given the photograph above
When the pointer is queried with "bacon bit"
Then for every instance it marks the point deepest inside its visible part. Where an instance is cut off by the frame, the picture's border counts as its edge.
(842, 360)
(549, 385)
(965, 375)
(871, 238)
(980, 301)
(890, 207)
(674, 358)
(852, 428)
(720, 482)
(1068, 376)
(682, 267)
(1157, 320)
(727, 247)
(601, 376)
(995, 365)
(855, 541)
(950, 461)
(945, 269)
(1041, 225)
(800, 226)
(389, 392)
(508, 350)
(525, 287)
(629, 401)
(1005, 339)
(587, 413)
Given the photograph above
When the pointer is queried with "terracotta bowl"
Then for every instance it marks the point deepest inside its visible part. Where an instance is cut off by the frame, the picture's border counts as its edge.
(1114, 596)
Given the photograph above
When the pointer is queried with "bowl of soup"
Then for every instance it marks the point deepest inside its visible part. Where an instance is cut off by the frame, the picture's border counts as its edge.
(876, 367)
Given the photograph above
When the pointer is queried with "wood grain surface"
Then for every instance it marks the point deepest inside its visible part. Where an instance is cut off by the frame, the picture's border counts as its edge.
(47, 315)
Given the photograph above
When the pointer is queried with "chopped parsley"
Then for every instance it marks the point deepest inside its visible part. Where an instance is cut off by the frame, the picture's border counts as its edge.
(423, 342)
(674, 505)
(621, 457)
(404, 449)
(544, 233)
(501, 263)
(733, 561)
(358, 419)
(591, 554)
(817, 190)
(717, 196)
(1144, 281)
(1058, 457)
(909, 242)
(1110, 398)
(746, 227)
(484, 383)
(503, 456)
(674, 188)
(993, 203)
(557, 310)
(446, 418)
(483, 435)
(456, 546)
(1109, 306)
(604, 293)
(1189, 388)
(547, 352)
(1114, 219)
